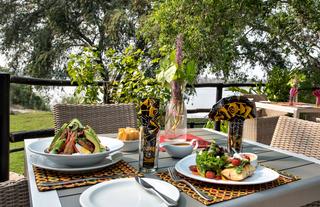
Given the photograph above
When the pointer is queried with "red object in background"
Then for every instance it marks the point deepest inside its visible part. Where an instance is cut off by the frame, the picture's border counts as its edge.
(202, 143)
(316, 93)
(293, 94)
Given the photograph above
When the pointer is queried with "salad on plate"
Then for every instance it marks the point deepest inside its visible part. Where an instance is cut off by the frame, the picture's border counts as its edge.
(215, 163)
(74, 138)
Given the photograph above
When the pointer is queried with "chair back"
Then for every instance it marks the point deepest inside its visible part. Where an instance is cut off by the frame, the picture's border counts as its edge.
(104, 118)
(297, 135)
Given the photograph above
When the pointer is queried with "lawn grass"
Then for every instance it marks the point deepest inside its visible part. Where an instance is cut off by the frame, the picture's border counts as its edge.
(25, 122)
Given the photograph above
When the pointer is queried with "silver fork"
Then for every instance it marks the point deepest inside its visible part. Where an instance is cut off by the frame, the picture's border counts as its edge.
(174, 176)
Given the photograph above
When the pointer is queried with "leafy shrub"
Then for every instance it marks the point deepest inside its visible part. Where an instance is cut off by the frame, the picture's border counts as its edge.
(131, 82)
(25, 96)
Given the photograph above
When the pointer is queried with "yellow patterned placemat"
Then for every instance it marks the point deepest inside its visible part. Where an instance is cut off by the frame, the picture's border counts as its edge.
(221, 193)
(49, 176)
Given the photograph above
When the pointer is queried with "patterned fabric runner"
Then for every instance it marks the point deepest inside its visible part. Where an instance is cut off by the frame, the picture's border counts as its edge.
(49, 176)
(221, 193)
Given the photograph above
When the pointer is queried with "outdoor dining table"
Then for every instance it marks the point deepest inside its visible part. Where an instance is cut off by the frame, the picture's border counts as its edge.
(298, 193)
(296, 109)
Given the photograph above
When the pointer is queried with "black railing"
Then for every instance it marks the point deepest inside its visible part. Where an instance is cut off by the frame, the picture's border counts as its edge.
(5, 136)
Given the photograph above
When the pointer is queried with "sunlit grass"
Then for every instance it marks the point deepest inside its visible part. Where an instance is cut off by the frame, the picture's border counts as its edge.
(25, 122)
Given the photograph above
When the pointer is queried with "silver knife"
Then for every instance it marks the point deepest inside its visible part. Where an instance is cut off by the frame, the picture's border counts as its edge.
(169, 201)
(48, 184)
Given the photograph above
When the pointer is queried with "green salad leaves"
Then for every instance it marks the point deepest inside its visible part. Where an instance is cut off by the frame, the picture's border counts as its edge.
(212, 159)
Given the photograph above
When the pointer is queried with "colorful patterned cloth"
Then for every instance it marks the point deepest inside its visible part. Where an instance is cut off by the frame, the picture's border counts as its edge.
(43, 175)
(221, 193)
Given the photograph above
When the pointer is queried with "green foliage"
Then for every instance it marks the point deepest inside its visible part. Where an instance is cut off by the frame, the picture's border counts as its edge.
(223, 125)
(278, 84)
(85, 69)
(207, 40)
(258, 89)
(170, 71)
(277, 87)
(25, 96)
(225, 35)
(131, 84)
(37, 36)
(74, 99)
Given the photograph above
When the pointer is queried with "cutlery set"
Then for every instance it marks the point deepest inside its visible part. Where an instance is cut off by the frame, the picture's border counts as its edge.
(176, 178)
(168, 201)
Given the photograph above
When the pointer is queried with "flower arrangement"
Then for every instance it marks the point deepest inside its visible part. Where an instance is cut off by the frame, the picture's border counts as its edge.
(176, 72)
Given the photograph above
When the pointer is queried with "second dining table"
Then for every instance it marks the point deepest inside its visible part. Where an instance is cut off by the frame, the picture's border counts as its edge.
(296, 110)
(297, 193)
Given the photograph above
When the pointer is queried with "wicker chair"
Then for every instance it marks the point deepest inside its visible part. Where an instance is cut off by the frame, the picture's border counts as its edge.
(14, 193)
(297, 135)
(106, 118)
(261, 128)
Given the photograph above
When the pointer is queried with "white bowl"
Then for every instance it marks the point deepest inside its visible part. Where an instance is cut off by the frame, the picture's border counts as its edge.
(130, 146)
(253, 158)
(178, 149)
(75, 160)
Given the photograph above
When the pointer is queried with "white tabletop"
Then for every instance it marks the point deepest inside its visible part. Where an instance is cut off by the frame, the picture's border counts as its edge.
(297, 193)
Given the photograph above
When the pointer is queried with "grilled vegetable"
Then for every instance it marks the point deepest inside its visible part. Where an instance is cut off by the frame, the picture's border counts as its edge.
(73, 137)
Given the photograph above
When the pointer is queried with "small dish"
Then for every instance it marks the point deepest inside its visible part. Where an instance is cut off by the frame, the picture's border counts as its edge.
(180, 149)
(253, 158)
(130, 146)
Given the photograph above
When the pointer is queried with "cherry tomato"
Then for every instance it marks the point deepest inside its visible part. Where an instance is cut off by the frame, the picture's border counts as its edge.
(236, 162)
(210, 174)
(193, 168)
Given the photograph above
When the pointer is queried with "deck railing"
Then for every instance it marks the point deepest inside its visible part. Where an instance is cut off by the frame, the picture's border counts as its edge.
(6, 136)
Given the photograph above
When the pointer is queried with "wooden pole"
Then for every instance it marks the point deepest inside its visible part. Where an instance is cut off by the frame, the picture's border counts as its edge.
(4, 125)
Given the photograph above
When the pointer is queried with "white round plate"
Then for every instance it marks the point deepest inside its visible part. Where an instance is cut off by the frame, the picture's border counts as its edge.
(79, 160)
(261, 175)
(43, 162)
(126, 192)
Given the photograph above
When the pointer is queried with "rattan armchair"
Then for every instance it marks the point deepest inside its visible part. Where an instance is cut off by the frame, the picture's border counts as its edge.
(261, 128)
(104, 118)
(297, 135)
(14, 193)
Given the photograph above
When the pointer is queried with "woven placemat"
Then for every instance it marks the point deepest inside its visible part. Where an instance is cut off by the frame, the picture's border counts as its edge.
(221, 193)
(43, 175)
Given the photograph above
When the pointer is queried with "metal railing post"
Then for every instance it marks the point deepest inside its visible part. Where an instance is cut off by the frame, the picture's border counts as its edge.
(218, 97)
(4, 125)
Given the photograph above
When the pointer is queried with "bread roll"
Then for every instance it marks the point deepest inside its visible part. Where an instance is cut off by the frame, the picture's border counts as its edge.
(127, 134)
